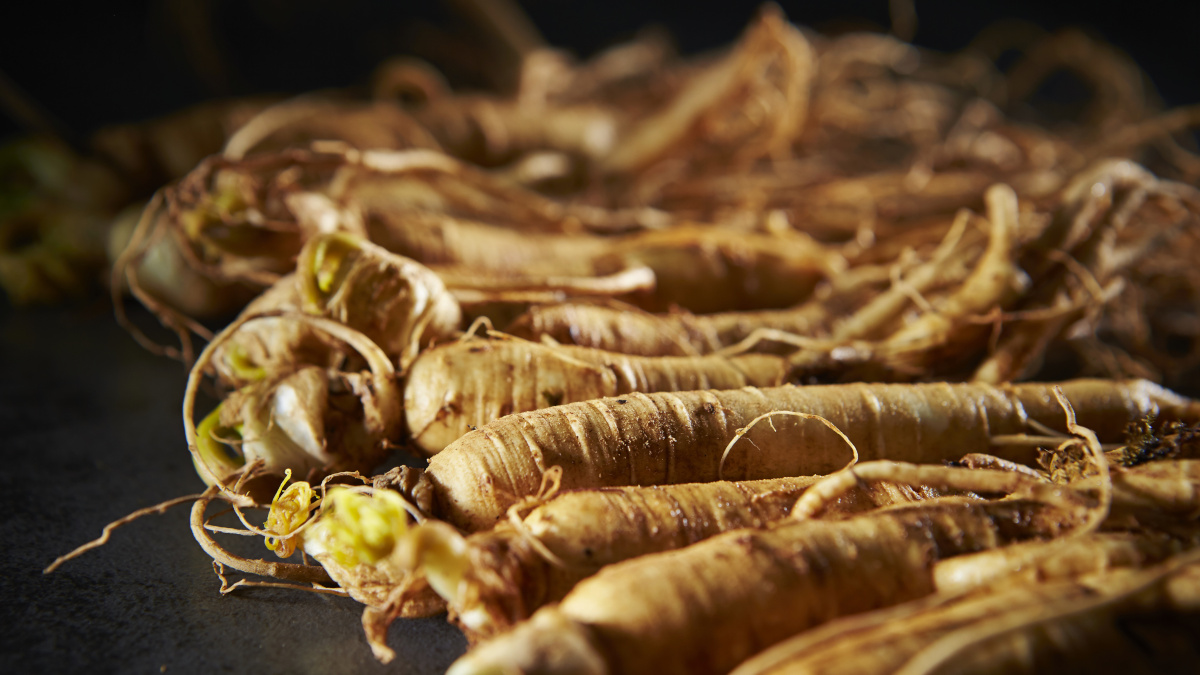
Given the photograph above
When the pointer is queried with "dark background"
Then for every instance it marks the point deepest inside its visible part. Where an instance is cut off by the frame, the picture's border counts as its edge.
(89, 422)
(89, 64)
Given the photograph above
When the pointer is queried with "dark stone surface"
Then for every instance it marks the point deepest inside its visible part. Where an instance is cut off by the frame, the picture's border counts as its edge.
(89, 431)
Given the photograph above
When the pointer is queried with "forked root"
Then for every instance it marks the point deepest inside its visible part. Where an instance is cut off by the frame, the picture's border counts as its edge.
(375, 624)
(227, 588)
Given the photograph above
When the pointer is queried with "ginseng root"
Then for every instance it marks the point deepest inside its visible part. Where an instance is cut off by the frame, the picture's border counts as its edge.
(1035, 562)
(701, 268)
(397, 303)
(499, 577)
(664, 438)
(1114, 627)
(1133, 622)
(853, 305)
(303, 419)
(457, 387)
(702, 619)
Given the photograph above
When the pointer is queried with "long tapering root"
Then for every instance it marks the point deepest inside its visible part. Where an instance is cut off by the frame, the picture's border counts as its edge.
(983, 481)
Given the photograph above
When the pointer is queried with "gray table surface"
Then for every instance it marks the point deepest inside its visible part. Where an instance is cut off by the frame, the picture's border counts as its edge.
(90, 430)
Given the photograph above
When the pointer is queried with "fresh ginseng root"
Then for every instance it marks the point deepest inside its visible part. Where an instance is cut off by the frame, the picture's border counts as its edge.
(454, 388)
(494, 579)
(664, 438)
(719, 601)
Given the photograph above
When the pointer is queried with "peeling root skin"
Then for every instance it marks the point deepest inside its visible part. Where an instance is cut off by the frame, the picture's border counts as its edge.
(375, 623)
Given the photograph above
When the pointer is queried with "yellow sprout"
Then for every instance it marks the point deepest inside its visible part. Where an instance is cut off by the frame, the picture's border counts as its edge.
(289, 510)
(224, 200)
(213, 446)
(243, 367)
(361, 528)
(326, 268)
(329, 264)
